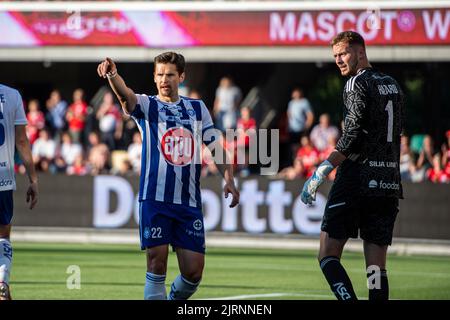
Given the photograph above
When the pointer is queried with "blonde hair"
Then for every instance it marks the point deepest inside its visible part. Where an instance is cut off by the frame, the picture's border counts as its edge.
(350, 37)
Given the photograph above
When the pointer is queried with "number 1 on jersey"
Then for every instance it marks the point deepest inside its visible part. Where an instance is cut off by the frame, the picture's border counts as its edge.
(390, 110)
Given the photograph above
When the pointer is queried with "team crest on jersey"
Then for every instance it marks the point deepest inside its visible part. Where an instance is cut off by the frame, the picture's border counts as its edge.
(191, 112)
(177, 146)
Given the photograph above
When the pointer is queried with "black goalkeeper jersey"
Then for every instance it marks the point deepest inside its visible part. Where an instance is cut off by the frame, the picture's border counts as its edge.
(373, 117)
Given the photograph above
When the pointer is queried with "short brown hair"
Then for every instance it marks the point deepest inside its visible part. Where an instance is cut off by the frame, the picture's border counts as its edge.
(173, 58)
(350, 37)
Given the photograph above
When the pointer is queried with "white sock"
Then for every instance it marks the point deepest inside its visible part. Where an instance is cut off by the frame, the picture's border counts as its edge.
(182, 289)
(6, 253)
(155, 288)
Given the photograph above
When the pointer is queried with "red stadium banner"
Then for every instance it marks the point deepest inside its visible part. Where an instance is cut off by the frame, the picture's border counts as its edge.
(223, 28)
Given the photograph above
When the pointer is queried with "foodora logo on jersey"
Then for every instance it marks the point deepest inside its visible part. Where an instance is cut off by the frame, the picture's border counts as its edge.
(177, 146)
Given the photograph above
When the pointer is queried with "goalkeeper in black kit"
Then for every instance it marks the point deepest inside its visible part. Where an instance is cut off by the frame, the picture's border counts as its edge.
(365, 193)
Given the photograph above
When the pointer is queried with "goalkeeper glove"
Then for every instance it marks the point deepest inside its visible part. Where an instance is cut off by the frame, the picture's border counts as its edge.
(311, 185)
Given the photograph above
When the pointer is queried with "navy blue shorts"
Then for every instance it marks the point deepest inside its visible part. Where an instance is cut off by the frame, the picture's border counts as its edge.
(6, 207)
(162, 223)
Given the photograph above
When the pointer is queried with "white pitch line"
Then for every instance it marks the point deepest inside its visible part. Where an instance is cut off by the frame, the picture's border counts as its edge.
(272, 295)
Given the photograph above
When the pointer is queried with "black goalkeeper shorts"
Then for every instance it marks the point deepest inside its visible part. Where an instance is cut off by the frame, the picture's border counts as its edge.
(373, 217)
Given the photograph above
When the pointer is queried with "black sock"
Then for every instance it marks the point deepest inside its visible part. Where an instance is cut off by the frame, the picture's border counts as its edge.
(338, 279)
(382, 292)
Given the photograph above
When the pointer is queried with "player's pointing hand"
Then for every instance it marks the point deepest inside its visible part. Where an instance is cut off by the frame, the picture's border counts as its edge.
(106, 67)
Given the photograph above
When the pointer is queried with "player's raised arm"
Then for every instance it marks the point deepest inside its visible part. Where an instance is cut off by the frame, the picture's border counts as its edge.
(107, 69)
(23, 147)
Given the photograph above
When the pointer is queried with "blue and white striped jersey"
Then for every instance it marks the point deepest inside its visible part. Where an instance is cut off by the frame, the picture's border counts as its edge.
(12, 114)
(172, 137)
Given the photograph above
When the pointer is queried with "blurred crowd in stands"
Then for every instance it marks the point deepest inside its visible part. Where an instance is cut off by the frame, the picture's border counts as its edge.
(79, 139)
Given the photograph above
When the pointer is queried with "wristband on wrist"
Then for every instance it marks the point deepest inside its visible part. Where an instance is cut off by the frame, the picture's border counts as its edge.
(111, 74)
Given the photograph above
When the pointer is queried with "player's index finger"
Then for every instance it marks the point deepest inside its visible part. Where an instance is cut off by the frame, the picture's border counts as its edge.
(99, 70)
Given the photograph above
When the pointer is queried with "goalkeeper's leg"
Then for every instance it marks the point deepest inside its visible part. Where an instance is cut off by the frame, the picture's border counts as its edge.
(329, 258)
(377, 278)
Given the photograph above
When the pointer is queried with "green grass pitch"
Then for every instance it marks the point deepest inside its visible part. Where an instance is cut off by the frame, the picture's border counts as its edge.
(118, 272)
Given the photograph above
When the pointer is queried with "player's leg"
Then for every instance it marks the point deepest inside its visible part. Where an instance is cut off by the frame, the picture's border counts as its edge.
(6, 251)
(191, 266)
(377, 227)
(189, 242)
(339, 223)
(377, 278)
(155, 235)
(155, 278)
(330, 252)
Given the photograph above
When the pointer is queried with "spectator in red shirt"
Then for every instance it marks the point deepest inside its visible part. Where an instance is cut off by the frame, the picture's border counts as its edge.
(76, 115)
(36, 120)
(436, 174)
(78, 168)
(446, 154)
(245, 123)
(246, 126)
(308, 154)
(110, 121)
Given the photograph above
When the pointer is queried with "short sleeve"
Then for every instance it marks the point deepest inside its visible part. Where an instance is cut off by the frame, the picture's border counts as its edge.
(20, 117)
(142, 106)
(209, 133)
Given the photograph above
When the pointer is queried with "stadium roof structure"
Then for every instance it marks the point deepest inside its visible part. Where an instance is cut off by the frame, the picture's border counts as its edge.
(221, 31)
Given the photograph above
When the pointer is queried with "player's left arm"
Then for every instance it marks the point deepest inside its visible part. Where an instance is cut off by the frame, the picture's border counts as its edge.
(225, 168)
(356, 105)
(24, 149)
(212, 138)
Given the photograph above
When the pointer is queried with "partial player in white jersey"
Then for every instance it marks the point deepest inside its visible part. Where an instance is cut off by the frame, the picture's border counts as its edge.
(173, 129)
(12, 135)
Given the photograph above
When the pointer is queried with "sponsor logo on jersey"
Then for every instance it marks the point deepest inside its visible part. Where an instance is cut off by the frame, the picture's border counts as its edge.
(5, 183)
(4, 164)
(373, 184)
(383, 164)
(172, 108)
(177, 146)
(389, 185)
(383, 185)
